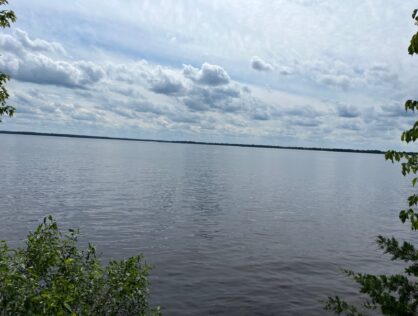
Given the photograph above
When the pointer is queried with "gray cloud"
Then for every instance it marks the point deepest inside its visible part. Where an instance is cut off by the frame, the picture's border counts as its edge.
(208, 74)
(127, 91)
(85, 116)
(91, 72)
(347, 111)
(131, 107)
(343, 75)
(342, 81)
(260, 65)
(261, 116)
(218, 98)
(350, 126)
(305, 122)
(381, 74)
(303, 111)
(200, 90)
(164, 83)
(146, 107)
(396, 110)
(284, 70)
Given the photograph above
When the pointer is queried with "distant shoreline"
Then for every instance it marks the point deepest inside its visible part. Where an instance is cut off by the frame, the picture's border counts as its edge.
(195, 143)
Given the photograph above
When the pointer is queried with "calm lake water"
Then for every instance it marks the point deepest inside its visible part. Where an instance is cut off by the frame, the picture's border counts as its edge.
(231, 231)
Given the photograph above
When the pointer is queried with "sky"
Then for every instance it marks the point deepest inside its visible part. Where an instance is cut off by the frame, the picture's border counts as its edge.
(316, 73)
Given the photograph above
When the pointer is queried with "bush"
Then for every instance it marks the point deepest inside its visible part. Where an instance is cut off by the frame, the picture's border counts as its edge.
(51, 276)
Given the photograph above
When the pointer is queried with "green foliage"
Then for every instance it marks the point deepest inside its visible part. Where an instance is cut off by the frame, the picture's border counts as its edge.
(413, 46)
(393, 294)
(6, 18)
(51, 276)
(336, 305)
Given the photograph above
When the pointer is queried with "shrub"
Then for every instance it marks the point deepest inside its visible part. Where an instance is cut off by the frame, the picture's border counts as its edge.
(51, 276)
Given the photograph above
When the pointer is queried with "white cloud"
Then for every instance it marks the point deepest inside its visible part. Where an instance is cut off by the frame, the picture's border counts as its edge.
(211, 75)
(24, 60)
(37, 44)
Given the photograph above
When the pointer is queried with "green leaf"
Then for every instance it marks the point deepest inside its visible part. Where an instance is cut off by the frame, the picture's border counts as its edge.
(52, 276)
(68, 307)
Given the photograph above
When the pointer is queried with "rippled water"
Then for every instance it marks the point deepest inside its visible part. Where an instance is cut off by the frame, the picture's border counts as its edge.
(232, 231)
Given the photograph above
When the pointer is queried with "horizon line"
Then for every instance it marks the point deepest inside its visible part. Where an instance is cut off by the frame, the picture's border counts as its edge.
(350, 150)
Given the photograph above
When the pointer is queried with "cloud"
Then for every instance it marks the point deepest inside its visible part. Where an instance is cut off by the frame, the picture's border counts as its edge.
(347, 111)
(208, 89)
(165, 82)
(303, 111)
(38, 45)
(208, 74)
(219, 98)
(41, 69)
(261, 116)
(342, 81)
(24, 60)
(284, 70)
(157, 96)
(85, 116)
(19, 43)
(260, 65)
(304, 122)
(350, 126)
(396, 109)
(381, 74)
(127, 91)
(336, 73)
(91, 72)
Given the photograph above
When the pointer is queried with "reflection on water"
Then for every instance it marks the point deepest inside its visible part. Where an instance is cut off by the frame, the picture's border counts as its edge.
(236, 231)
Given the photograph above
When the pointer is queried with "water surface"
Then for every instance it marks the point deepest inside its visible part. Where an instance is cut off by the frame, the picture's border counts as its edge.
(230, 230)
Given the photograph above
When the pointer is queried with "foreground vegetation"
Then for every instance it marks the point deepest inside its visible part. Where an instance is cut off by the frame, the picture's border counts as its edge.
(393, 294)
(51, 276)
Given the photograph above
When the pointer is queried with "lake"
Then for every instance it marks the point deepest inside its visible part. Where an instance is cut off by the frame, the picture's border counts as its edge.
(229, 230)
